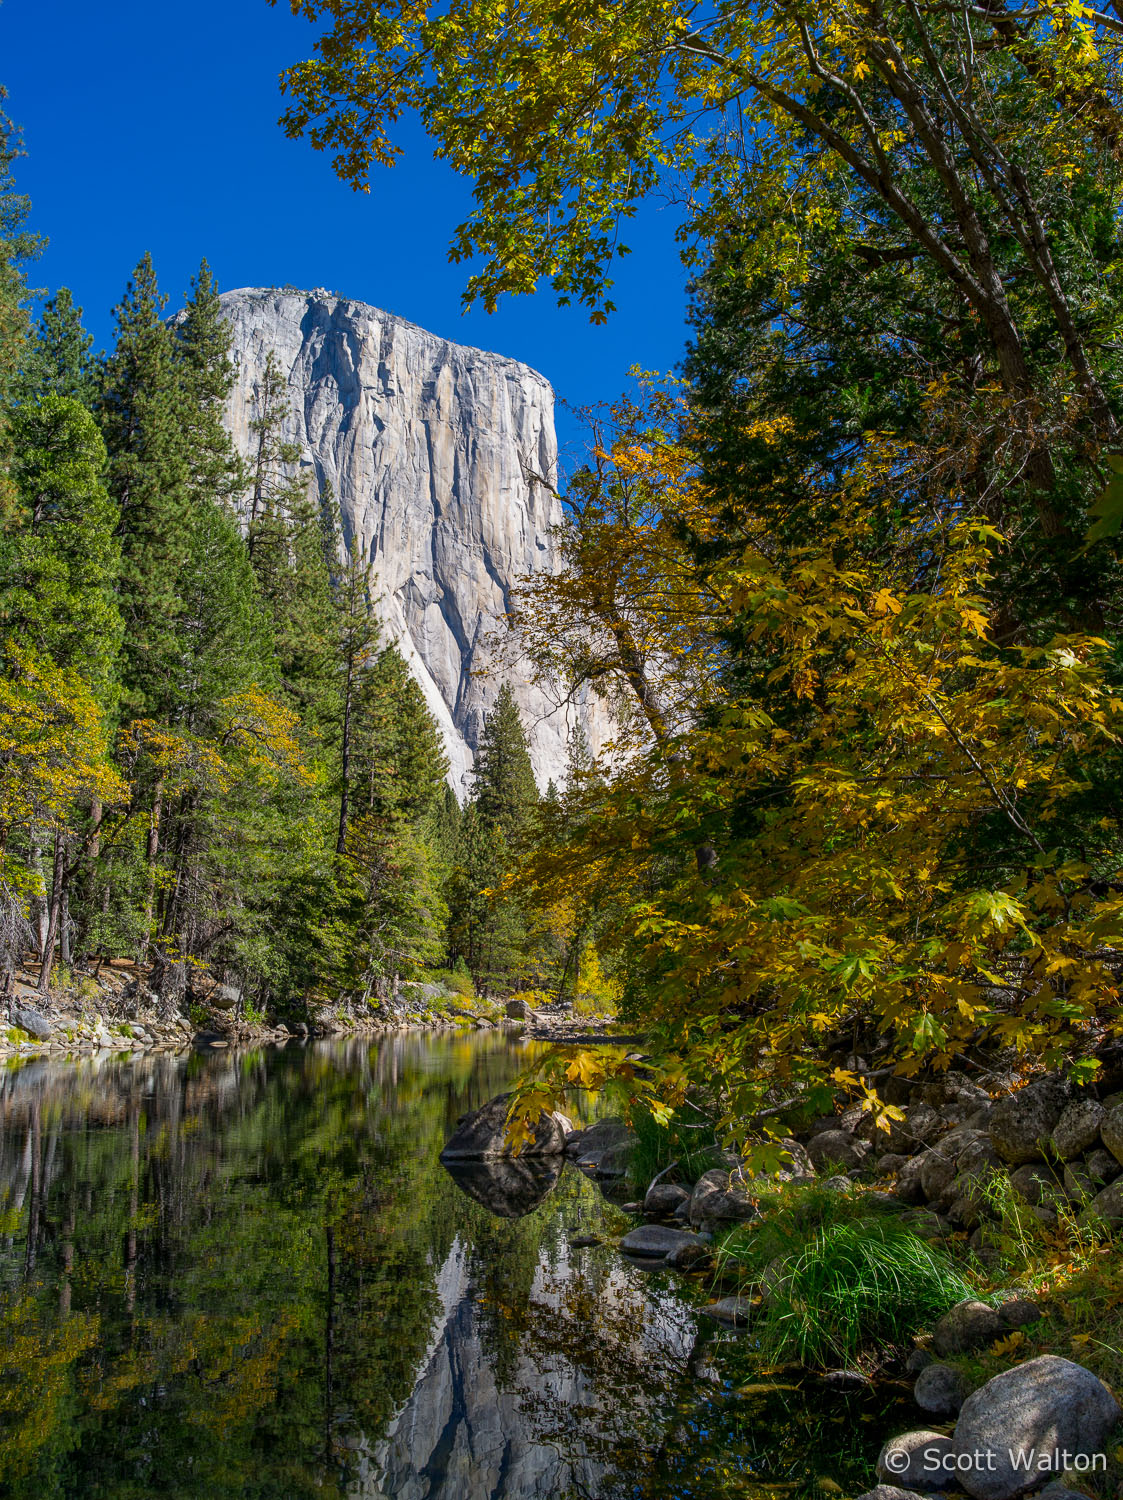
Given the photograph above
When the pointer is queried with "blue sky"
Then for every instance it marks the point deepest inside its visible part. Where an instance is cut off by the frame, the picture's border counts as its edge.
(152, 126)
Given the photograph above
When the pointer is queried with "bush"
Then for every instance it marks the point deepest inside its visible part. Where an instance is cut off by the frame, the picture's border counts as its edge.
(457, 980)
(855, 1284)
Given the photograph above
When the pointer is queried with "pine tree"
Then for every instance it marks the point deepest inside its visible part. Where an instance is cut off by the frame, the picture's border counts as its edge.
(291, 539)
(504, 787)
(356, 635)
(399, 764)
(16, 247)
(59, 562)
(203, 342)
(142, 419)
(490, 931)
(58, 565)
(60, 360)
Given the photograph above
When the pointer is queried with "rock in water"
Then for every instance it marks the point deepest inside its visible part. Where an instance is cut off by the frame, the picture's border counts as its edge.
(653, 1241)
(482, 1134)
(1046, 1407)
(665, 1198)
(32, 1022)
(431, 449)
(918, 1461)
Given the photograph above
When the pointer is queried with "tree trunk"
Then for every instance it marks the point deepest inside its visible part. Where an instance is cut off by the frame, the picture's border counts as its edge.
(345, 763)
(54, 912)
(151, 849)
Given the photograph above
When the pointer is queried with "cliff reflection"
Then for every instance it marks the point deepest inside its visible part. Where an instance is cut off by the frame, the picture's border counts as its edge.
(248, 1274)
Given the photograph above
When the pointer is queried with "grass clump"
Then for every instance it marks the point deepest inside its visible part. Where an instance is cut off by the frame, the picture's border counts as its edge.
(688, 1139)
(851, 1286)
(836, 1277)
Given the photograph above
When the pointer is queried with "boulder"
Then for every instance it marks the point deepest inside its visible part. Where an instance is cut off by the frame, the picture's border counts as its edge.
(598, 1138)
(1022, 1124)
(1039, 1184)
(941, 1162)
(1105, 1208)
(887, 1492)
(30, 1021)
(836, 1147)
(910, 1184)
(963, 1212)
(920, 1127)
(719, 1195)
(968, 1325)
(1041, 1408)
(612, 1163)
(1111, 1129)
(1017, 1311)
(517, 1010)
(688, 1256)
(1084, 1179)
(655, 1241)
(664, 1198)
(940, 1390)
(733, 1312)
(1102, 1166)
(925, 1224)
(481, 1134)
(891, 1162)
(1078, 1128)
(918, 1460)
(937, 1174)
(797, 1162)
(224, 997)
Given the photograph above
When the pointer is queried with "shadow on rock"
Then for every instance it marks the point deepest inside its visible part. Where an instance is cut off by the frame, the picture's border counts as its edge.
(508, 1187)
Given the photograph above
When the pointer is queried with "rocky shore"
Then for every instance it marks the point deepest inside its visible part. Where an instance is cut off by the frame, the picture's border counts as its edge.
(1013, 1415)
(109, 1007)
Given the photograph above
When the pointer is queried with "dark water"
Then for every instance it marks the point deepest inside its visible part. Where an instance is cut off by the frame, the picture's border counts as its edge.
(248, 1275)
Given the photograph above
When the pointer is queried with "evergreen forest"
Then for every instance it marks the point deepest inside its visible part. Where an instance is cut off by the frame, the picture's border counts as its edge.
(211, 761)
(849, 583)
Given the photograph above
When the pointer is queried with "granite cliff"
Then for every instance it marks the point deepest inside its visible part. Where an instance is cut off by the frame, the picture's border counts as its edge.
(430, 448)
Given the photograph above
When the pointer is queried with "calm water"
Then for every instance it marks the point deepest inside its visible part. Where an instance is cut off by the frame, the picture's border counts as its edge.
(248, 1275)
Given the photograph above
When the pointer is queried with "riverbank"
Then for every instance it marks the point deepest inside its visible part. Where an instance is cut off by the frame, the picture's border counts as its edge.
(109, 1007)
(968, 1254)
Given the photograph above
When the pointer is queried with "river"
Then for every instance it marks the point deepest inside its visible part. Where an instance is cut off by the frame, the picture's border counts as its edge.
(247, 1274)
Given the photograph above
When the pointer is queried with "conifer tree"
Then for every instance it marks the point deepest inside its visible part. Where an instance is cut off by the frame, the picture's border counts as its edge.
(60, 360)
(59, 562)
(356, 634)
(504, 787)
(16, 247)
(58, 565)
(142, 419)
(291, 538)
(203, 351)
(489, 931)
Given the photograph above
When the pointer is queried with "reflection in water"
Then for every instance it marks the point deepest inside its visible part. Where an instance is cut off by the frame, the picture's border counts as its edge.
(509, 1187)
(248, 1275)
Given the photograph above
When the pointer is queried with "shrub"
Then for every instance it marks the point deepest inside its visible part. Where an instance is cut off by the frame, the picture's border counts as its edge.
(853, 1285)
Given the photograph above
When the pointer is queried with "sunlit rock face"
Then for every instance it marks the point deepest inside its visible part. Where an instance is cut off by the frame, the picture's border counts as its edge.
(430, 448)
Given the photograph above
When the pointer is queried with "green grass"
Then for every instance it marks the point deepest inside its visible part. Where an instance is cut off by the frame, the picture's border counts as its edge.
(689, 1139)
(847, 1279)
(852, 1286)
